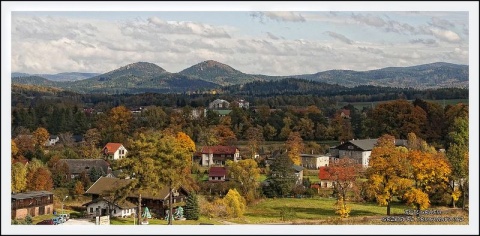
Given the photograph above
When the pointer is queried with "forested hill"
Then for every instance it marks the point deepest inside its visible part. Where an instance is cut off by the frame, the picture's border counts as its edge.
(288, 86)
(434, 75)
(144, 77)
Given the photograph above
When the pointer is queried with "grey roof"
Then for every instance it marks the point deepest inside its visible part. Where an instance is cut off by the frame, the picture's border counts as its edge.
(77, 166)
(313, 155)
(32, 194)
(365, 144)
(107, 184)
(297, 168)
(369, 144)
(123, 204)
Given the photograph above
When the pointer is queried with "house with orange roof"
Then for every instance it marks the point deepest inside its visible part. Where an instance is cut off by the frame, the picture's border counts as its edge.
(114, 151)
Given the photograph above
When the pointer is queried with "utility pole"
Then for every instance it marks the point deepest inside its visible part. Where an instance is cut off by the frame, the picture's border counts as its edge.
(170, 216)
(139, 214)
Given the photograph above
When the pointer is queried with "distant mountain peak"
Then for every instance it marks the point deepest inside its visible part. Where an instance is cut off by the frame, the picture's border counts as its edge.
(141, 65)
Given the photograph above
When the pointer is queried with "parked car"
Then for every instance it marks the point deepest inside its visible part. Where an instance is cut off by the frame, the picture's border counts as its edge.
(57, 220)
(64, 216)
(46, 222)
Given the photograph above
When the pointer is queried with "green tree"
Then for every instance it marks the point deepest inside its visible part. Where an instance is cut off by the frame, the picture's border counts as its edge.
(192, 209)
(457, 155)
(281, 179)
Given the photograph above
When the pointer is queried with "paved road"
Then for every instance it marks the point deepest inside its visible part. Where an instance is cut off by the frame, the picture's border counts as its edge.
(78, 222)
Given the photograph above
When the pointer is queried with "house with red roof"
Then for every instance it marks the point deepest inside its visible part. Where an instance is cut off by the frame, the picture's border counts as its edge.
(114, 151)
(326, 181)
(218, 155)
(217, 174)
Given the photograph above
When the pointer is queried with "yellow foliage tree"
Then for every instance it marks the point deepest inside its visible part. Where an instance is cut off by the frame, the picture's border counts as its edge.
(388, 171)
(235, 204)
(245, 174)
(341, 208)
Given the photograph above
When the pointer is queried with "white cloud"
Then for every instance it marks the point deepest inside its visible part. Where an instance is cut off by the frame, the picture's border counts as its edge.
(445, 35)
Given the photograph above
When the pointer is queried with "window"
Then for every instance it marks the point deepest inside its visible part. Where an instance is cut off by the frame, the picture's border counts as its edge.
(114, 211)
(350, 147)
(91, 209)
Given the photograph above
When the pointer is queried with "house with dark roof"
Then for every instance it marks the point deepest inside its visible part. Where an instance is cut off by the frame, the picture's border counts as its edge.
(218, 155)
(77, 166)
(217, 174)
(33, 203)
(360, 149)
(156, 200)
(114, 151)
(298, 173)
(52, 140)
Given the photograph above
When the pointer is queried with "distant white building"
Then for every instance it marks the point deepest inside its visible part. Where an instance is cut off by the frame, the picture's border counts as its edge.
(313, 161)
(219, 104)
(243, 104)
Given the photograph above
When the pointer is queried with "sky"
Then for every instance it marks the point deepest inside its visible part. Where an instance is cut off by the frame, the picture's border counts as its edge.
(269, 42)
(270, 38)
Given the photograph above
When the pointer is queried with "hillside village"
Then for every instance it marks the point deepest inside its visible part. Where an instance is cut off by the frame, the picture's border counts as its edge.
(157, 167)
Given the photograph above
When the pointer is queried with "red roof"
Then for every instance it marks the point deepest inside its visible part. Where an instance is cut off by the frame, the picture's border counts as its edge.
(217, 171)
(219, 150)
(323, 173)
(112, 147)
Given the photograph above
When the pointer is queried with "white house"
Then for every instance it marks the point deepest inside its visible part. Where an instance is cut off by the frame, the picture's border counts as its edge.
(313, 161)
(218, 155)
(360, 149)
(52, 140)
(114, 151)
(219, 104)
(101, 206)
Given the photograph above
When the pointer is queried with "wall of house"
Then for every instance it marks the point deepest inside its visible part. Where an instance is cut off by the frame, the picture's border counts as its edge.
(207, 159)
(366, 158)
(32, 211)
(97, 207)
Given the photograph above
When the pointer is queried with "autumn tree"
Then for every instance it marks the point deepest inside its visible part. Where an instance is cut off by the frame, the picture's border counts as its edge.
(343, 174)
(115, 125)
(398, 118)
(159, 159)
(225, 135)
(235, 204)
(295, 147)
(19, 177)
(269, 132)
(254, 140)
(59, 171)
(388, 171)
(38, 177)
(245, 174)
(430, 173)
(40, 137)
(78, 189)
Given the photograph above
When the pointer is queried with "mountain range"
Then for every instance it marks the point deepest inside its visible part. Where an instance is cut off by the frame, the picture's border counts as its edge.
(143, 77)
